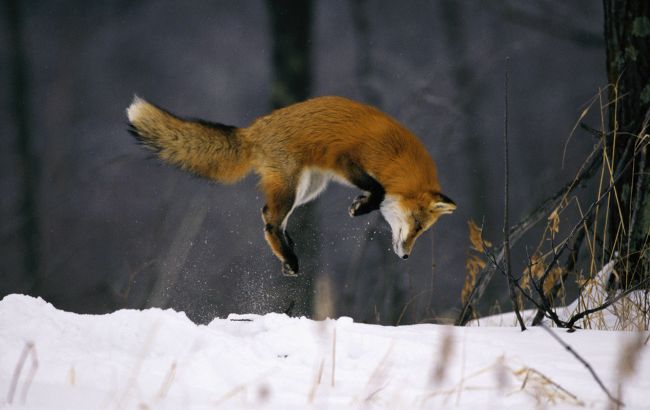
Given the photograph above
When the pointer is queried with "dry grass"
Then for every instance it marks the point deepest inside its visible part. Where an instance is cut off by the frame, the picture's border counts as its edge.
(317, 381)
(542, 388)
(29, 351)
(585, 227)
(167, 382)
(627, 363)
(440, 364)
(475, 258)
(324, 300)
(378, 380)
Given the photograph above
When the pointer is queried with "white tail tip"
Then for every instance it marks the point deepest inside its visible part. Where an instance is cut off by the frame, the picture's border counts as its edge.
(135, 109)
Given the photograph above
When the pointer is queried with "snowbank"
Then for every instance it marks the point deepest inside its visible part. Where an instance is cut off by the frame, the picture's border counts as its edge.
(159, 358)
(625, 314)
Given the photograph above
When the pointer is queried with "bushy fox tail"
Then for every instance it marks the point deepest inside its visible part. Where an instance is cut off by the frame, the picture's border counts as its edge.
(210, 150)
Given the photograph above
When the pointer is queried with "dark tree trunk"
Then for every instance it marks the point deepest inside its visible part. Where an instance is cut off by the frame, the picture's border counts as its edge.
(389, 295)
(291, 29)
(468, 99)
(27, 160)
(627, 37)
(291, 82)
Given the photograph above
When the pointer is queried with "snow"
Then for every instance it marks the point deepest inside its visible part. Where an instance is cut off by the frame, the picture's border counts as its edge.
(160, 359)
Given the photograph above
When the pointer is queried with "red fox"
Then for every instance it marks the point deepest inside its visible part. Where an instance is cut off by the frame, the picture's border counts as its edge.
(296, 151)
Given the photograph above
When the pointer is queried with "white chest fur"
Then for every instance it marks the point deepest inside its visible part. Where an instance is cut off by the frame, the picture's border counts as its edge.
(312, 183)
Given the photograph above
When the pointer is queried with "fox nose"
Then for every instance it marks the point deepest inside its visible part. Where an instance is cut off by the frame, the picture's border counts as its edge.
(405, 256)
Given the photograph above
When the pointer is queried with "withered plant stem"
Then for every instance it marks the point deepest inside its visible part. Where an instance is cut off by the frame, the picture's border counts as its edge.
(506, 224)
(584, 362)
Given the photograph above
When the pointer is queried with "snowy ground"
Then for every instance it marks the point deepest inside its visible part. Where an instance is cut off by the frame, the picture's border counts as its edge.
(160, 359)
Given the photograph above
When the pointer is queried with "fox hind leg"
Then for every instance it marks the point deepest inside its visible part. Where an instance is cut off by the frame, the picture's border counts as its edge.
(280, 198)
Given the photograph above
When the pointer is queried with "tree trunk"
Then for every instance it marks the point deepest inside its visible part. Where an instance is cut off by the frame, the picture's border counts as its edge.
(291, 82)
(389, 295)
(27, 160)
(291, 29)
(468, 98)
(627, 37)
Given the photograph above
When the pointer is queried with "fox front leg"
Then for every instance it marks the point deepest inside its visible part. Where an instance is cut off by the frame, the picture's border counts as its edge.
(364, 204)
(373, 194)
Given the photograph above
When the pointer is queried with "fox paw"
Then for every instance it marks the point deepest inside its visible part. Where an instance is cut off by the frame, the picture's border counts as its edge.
(358, 206)
(287, 270)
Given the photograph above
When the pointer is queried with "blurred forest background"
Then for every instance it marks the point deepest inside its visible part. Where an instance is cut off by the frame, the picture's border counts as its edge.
(92, 224)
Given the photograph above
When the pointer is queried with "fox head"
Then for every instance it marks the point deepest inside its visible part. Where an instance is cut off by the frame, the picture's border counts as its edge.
(410, 216)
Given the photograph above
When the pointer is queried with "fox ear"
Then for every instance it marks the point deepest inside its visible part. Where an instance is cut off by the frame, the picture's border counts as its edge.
(442, 204)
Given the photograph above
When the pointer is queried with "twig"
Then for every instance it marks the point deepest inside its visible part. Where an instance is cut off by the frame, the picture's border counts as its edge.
(564, 244)
(547, 312)
(570, 266)
(548, 204)
(132, 274)
(519, 229)
(27, 349)
(289, 310)
(596, 133)
(334, 357)
(639, 197)
(30, 377)
(167, 382)
(506, 225)
(608, 303)
(317, 380)
(406, 306)
(242, 387)
(433, 270)
(547, 271)
(137, 368)
(546, 309)
(378, 375)
(584, 362)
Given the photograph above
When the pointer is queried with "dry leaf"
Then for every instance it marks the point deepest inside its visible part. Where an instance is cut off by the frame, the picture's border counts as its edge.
(475, 258)
(554, 222)
(536, 271)
(475, 237)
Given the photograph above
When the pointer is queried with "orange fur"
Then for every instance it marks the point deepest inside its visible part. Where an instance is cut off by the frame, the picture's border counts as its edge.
(295, 149)
(315, 133)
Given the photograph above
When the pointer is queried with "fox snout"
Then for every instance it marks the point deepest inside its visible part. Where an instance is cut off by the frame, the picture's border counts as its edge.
(400, 249)
(409, 219)
(404, 246)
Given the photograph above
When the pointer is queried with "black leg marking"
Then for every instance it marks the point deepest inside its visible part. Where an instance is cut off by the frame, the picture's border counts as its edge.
(370, 201)
(290, 266)
(289, 240)
(364, 204)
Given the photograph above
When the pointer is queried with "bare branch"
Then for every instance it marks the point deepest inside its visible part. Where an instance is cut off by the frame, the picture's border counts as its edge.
(585, 363)
(546, 312)
(506, 225)
(608, 303)
(518, 230)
